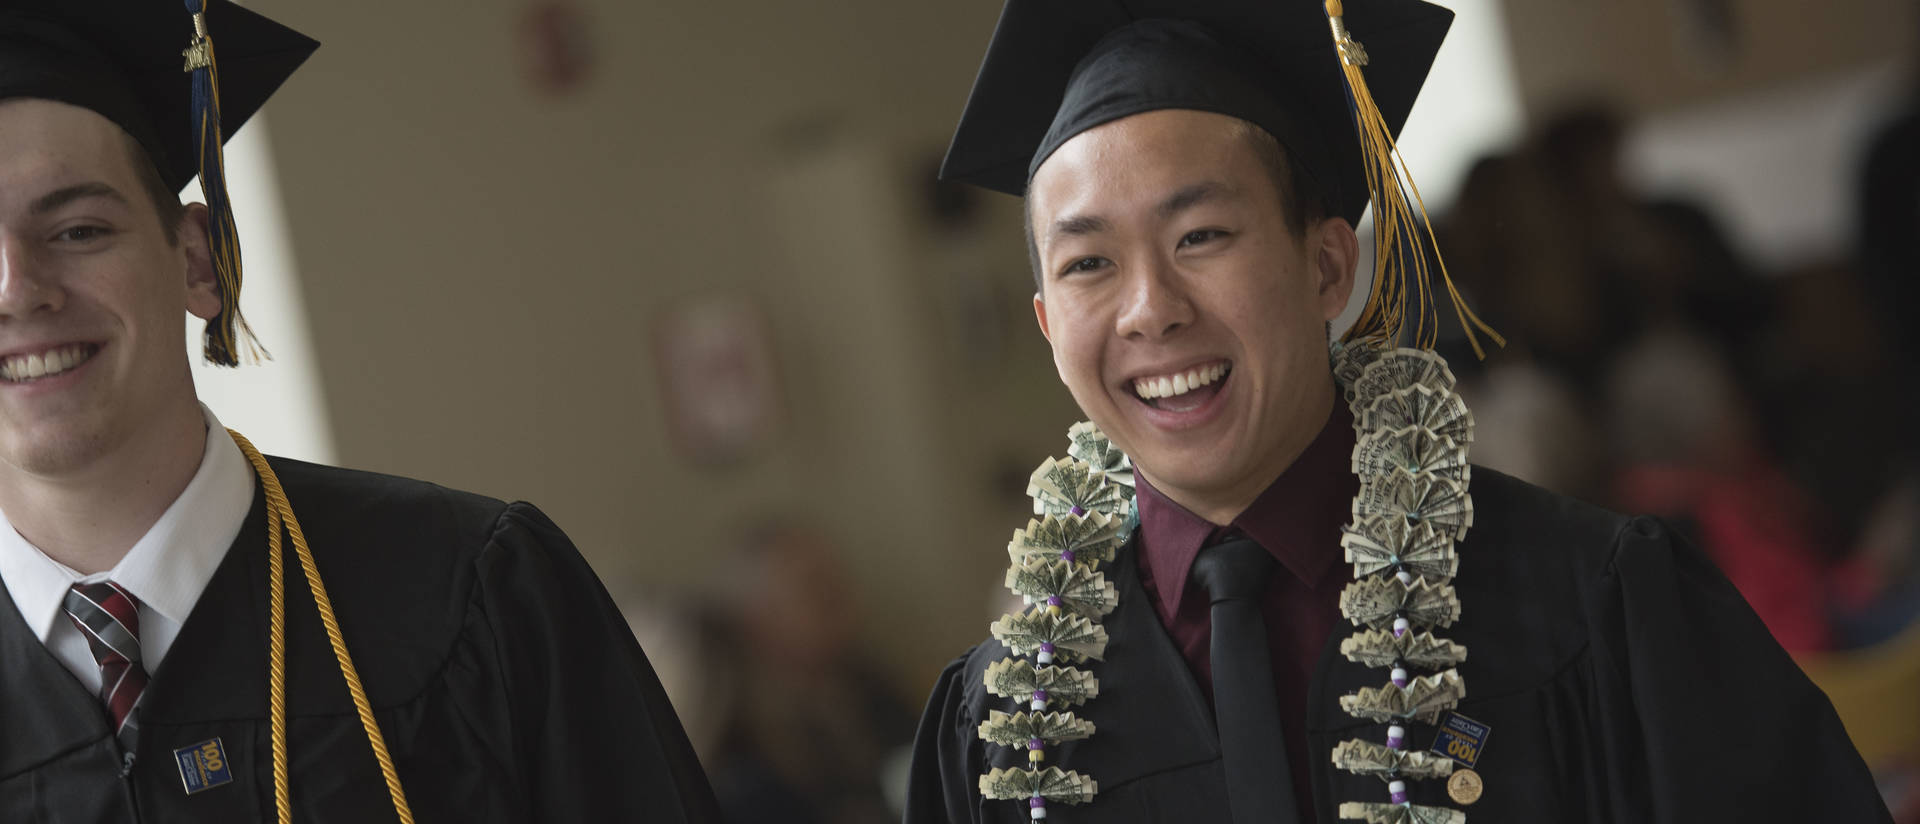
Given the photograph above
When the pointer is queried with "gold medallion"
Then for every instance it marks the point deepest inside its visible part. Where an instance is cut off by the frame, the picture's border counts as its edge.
(1465, 786)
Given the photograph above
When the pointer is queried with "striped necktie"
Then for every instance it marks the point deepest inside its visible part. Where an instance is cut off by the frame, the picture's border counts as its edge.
(109, 617)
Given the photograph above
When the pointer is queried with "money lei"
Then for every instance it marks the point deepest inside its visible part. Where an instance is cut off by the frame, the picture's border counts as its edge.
(1085, 509)
(1412, 432)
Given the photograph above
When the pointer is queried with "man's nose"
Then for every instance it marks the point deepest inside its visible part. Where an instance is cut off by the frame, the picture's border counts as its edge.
(1157, 304)
(25, 287)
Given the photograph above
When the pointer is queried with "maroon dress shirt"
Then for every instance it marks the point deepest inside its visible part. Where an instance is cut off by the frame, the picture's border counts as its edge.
(1298, 519)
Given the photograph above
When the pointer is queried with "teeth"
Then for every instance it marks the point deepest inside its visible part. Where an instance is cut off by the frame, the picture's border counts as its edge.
(1180, 383)
(44, 364)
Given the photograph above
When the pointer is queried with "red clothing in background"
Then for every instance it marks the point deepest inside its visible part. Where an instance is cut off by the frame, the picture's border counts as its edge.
(1758, 527)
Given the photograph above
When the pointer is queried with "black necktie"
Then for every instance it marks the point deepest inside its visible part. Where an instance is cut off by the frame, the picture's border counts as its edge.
(1259, 782)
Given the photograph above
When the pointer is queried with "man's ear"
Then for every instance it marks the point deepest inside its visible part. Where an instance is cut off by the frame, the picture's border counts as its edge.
(203, 283)
(1040, 314)
(1338, 252)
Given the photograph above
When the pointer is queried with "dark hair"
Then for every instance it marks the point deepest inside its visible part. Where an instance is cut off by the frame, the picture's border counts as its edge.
(166, 202)
(1303, 198)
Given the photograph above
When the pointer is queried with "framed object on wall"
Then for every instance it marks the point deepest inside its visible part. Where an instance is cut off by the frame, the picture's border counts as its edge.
(556, 46)
(718, 379)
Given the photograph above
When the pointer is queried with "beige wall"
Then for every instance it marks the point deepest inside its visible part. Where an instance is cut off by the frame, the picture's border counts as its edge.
(482, 264)
(1646, 55)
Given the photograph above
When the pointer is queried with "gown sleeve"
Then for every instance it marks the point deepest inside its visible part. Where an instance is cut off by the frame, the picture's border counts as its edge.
(595, 738)
(1707, 718)
(942, 785)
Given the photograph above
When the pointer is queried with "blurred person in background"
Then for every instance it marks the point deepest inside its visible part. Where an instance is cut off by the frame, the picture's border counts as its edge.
(811, 732)
(154, 662)
(1889, 208)
(1887, 598)
(1765, 414)
(1192, 175)
(1688, 450)
(1735, 406)
(692, 651)
(1539, 231)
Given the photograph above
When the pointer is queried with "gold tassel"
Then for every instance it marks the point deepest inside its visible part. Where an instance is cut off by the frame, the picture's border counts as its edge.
(228, 328)
(1398, 223)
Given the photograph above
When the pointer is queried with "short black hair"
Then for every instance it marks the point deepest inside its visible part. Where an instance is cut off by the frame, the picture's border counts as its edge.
(1302, 197)
(166, 202)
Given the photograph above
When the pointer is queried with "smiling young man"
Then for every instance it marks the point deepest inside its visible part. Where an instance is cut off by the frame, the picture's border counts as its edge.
(166, 651)
(1267, 586)
(1186, 300)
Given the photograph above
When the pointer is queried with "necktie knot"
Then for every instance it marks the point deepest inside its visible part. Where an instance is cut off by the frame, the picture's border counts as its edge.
(1234, 570)
(108, 616)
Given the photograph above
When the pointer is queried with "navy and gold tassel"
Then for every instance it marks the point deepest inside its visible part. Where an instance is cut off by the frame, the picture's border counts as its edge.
(228, 328)
(1402, 233)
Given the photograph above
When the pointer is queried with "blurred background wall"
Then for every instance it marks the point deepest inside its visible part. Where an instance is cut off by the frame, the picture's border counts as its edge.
(486, 262)
(677, 271)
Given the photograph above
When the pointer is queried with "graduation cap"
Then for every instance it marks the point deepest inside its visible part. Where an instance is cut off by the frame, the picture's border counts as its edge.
(150, 66)
(1056, 68)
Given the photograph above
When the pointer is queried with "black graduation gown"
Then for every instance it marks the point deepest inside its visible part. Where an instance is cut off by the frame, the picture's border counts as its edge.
(507, 685)
(1622, 676)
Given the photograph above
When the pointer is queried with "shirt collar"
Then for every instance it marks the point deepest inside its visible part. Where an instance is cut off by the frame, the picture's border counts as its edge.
(169, 566)
(36, 582)
(1297, 519)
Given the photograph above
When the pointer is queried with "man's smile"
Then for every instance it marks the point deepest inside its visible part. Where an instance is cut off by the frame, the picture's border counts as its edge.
(1182, 390)
(25, 367)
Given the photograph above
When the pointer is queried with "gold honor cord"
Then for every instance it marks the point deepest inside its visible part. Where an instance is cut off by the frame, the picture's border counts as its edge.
(1395, 224)
(279, 517)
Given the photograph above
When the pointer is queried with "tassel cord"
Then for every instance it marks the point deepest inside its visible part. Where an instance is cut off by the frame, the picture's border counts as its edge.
(1403, 231)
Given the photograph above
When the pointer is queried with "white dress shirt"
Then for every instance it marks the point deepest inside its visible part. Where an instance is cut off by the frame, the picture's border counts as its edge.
(166, 569)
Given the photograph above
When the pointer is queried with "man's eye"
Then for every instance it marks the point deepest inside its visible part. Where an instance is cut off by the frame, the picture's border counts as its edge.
(1199, 236)
(1086, 264)
(83, 234)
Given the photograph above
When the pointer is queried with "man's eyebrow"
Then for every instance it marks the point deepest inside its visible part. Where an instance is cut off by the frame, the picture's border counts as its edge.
(1185, 198)
(61, 197)
(1190, 196)
(1078, 225)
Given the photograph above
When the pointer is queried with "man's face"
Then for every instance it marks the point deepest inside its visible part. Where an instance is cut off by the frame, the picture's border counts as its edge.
(91, 293)
(1185, 317)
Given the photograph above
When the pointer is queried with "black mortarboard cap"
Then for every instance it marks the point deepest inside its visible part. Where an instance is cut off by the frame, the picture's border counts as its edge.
(152, 67)
(1056, 68)
(122, 59)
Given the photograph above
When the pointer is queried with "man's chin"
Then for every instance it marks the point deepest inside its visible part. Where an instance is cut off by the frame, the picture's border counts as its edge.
(50, 449)
(1170, 469)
